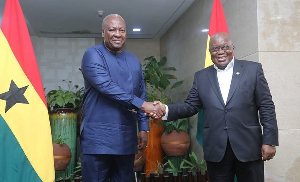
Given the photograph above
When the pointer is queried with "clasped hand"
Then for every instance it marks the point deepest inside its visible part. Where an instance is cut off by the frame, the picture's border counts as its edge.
(268, 152)
(154, 109)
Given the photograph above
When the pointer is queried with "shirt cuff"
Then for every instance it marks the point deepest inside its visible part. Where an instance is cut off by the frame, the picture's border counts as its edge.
(165, 117)
(137, 102)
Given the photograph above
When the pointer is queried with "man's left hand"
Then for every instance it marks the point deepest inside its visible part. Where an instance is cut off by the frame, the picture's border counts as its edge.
(268, 152)
(142, 140)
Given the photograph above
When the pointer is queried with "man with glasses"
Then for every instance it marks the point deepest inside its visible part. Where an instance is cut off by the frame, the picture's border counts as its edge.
(240, 126)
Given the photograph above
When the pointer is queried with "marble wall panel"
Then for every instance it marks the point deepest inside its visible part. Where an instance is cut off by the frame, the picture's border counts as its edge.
(285, 166)
(282, 72)
(279, 25)
(59, 59)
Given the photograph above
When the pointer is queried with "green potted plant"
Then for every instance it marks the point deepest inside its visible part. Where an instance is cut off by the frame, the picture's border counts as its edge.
(63, 113)
(70, 98)
(175, 141)
(157, 79)
(172, 168)
(193, 164)
(77, 173)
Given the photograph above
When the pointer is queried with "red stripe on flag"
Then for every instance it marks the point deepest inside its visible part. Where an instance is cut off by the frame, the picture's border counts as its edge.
(218, 20)
(17, 35)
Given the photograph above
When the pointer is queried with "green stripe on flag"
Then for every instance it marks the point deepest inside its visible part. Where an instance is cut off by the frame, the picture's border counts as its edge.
(14, 165)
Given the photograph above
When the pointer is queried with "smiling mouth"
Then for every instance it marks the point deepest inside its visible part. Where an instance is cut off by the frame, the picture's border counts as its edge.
(117, 41)
(221, 59)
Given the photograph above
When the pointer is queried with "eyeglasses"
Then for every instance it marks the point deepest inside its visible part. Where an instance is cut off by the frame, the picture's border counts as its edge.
(216, 49)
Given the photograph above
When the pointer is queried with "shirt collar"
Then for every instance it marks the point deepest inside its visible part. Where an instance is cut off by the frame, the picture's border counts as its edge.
(230, 65)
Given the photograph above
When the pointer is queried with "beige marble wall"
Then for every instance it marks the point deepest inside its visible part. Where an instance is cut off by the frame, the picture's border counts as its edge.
(279, 52)
(284, 84)
(279, 25)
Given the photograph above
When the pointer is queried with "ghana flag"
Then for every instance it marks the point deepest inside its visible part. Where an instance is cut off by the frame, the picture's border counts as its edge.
(217, 24)
(26, 153)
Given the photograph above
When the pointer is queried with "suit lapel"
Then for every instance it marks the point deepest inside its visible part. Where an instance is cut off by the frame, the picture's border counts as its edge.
(237, 74)
(213, 79)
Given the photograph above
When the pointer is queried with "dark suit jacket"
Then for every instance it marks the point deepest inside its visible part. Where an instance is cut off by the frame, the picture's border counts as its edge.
(114, 87)
(248, 118)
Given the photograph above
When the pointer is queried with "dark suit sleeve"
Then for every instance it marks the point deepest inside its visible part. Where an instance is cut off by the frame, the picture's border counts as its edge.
(189, 107)
(96, 72)
(266, 109)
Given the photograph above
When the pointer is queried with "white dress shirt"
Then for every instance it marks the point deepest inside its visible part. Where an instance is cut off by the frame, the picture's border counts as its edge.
(224, 79)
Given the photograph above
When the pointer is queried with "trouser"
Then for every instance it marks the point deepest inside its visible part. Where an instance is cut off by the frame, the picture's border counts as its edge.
(104, 168)
(229, 166)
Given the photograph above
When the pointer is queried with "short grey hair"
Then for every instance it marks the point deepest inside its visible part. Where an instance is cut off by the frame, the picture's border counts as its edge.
(111, 15)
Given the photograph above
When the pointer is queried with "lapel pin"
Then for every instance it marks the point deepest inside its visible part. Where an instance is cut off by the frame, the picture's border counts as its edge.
(237, 73)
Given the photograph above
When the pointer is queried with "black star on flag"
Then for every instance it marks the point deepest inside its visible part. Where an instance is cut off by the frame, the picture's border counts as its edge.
(14, 95)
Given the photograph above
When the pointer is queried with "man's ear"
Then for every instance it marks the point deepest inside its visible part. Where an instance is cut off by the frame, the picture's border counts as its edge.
(102, 32)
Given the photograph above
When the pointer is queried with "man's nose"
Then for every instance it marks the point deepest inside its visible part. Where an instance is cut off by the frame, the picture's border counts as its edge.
(117, 33)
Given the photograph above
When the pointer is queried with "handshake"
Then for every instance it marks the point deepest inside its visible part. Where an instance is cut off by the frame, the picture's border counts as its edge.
(154, 109)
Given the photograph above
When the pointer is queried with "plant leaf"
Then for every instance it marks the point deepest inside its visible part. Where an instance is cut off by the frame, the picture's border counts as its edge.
(162, 61)
(169, 69)
(177, 84)
(168, 76)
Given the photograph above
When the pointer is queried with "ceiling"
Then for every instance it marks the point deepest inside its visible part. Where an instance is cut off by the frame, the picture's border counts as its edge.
(79, 18)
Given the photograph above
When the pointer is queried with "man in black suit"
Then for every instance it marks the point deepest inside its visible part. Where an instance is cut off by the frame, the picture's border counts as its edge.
(240, 127)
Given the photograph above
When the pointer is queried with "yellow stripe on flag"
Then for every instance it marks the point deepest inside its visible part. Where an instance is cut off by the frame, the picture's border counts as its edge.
(208, 61)
(26, 121)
